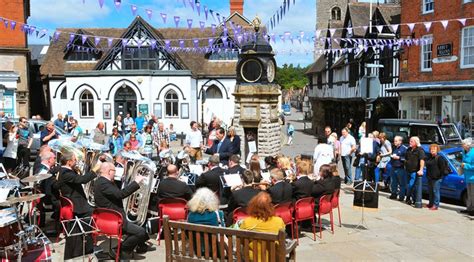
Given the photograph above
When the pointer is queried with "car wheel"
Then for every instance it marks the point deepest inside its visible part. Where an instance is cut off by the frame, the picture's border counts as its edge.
(464, 198)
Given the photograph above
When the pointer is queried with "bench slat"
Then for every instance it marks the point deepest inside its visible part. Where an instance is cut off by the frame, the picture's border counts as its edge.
(214, 247)
(191, 244)
(238, 249)
(272, 251)
(263, 250)
(198, 245)
(176, 244)
(183, 243)
(222, 247)
(230, 248)
(206, 246)
(246, 249)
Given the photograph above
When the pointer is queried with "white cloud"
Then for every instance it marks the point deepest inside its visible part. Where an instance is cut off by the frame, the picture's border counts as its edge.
(67, 12)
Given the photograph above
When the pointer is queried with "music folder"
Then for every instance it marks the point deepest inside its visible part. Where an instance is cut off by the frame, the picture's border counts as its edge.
(231, 180)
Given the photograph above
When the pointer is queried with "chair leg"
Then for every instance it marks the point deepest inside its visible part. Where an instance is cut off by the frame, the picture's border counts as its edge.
(332, 222)
(320, 227)
(339, 214)
(159, 231)
(292, 234)
(119, 243)
(313, 225)
(297, 233)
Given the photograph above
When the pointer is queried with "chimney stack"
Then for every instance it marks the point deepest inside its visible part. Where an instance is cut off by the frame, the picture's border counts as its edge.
(237, 6)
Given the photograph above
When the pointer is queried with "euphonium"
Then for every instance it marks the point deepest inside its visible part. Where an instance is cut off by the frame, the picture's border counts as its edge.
(92, 154)
(136, 205)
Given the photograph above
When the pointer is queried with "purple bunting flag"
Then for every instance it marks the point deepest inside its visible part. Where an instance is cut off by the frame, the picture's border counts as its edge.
(191, 3)
(206, 11)
(12, 25)
(176, 21)
(211, 41)
(109, 42)
(149, 13)
(134, 9)
(196, 43)
(163, 16)
(213, 28)
(117, 4)
(6, 23)
(181, 43)
(167, 44)
(198, 8)
(190, 23)
(101, 3)
(56, 36)
(124, 42)
(139, 43)
(84, 39)
(218, 17)
(202, 25)
(153, 44)
(71, 38)
(96, 40)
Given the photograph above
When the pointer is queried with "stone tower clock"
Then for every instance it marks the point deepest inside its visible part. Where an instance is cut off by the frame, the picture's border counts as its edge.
(256, 97)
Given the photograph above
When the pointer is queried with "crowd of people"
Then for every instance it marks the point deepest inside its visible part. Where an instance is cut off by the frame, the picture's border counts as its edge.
(265, 181)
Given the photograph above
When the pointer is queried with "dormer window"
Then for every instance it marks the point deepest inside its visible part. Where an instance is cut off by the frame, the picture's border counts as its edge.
(82, 55)
(336, 13)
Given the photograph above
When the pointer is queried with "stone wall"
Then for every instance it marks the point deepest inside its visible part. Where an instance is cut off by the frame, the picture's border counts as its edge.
(268, 133)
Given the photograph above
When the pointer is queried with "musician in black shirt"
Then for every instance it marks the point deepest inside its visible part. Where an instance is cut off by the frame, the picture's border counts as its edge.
(280, 191)
(108, 195)
(171, 187)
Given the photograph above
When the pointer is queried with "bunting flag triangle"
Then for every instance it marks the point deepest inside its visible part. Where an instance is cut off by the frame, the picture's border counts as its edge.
(176, 21)
(462, 21)
(332, 31)
(198, 8)
(101, 3)
(379, 28)
(394, 28)
(149, 13)
(411, 26)
(445, 24)
(427, 26)
(349, 30)
(96, 41)
(134, 9)
(206, 11)
(117, 4)
(109, 42)
(164, 16)
(84, 39)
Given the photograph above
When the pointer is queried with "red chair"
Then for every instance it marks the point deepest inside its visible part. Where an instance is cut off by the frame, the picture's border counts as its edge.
(285, 212)
(335, 203)
(239, 214)
(304, 210)
(66, 211)
(174, 208)
(325, 207)
(109, 222)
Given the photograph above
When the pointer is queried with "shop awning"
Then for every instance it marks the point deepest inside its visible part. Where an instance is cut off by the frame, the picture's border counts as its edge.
(432, 86)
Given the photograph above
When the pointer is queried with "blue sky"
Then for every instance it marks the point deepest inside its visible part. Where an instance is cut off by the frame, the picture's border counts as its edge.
(52, 14)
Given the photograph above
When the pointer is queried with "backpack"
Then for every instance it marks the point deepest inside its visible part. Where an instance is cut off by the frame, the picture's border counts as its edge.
(446, 170)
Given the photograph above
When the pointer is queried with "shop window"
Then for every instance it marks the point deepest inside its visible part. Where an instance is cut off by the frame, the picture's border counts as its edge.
(467, 47)
(427, 54)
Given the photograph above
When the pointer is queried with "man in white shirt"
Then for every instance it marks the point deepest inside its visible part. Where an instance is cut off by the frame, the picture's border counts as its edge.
(348, 146)
(194, 141)
(323, 154)
(128, 122)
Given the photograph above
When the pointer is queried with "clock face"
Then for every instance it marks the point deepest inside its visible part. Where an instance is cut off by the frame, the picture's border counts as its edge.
(271, 71)
(251, 70)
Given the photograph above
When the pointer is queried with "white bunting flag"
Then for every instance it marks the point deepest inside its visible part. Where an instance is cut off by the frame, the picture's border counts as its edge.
(427, 26)
(445, 24)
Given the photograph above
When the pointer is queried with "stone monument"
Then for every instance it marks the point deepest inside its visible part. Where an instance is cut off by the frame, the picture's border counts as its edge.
(256, 117)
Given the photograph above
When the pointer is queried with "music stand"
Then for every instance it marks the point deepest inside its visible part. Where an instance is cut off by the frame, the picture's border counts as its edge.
(86, 225)
(366, 187)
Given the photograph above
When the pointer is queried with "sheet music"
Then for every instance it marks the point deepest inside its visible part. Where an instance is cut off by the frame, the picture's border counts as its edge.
(4, 194)
(196, 169)
(118, 173)
(266, 176)
(232, 180)
(183, 179)
(366, 145)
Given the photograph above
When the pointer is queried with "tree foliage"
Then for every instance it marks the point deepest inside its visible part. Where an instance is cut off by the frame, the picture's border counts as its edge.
(290, 77)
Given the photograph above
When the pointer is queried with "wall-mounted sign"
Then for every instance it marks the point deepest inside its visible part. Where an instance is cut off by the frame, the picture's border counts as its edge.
(444, 50)
(445, 59)
(143, 108)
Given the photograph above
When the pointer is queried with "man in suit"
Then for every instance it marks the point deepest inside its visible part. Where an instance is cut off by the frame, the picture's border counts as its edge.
(221, 146)
(48, 166)
(303, 186)
(108, 195)
(70, 184)
(171, 187)
(212, 178)
(280, 191)
(241, 197)
(234, 166)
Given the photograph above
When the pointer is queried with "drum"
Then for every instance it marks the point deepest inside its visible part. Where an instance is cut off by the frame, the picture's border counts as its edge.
(9, 227)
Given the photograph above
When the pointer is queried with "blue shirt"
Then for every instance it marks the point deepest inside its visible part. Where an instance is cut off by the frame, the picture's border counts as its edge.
(468, 161)
(139, 121)
(59, 123)
(207, 218)
(401, 152)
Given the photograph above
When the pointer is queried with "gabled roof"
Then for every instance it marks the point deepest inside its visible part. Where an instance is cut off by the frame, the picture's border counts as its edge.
(55, 65)
(317, 66)
(239, 19)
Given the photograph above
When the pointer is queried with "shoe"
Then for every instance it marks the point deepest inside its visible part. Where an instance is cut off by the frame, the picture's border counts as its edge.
(433, 208)
(409, 202)
(429, 206)
(471, 213)
(401, 199)
(393, 197)
(126, 255)
(142, 249)
(465, 211)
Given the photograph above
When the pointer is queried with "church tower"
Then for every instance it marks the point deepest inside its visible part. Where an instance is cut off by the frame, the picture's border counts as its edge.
(329, 11)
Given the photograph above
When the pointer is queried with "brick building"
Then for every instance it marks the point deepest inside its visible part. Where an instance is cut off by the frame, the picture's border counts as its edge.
(14, 56)
(437, 76)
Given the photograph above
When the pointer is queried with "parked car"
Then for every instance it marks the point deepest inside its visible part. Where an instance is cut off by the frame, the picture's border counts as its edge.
(453, 185)
(428, 132)
(286, 109)
(36, 126)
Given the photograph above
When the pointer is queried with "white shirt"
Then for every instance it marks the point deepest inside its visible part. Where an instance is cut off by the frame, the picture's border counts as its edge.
(12, 146)
(323, 154)
(194, 138)
(346, 144)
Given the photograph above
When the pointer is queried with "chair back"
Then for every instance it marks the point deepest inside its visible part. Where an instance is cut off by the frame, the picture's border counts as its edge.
(335, 198)
(304, 208)
(285, 212)
(174, 208)
(108, 221)
(239, 214)
(66, 208)
(325, 206)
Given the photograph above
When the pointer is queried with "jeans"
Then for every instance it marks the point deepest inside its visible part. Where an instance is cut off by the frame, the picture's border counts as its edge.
(434, 186)
(358, 172)
(136, 236)
(470, 197)
(346, 165)
(411, 186)
(398, 179)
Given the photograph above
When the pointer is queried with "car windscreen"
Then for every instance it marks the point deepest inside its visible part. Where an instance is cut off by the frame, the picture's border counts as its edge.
(428, 134)
(450, 132)
(455, 158)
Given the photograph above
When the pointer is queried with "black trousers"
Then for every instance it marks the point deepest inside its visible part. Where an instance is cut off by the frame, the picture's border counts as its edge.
(24, 155)
(136, 236)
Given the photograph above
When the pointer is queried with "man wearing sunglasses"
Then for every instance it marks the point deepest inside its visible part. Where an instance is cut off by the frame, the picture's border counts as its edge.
(25, 139)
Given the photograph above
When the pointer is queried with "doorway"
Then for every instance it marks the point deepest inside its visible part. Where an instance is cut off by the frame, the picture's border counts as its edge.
(125, 101)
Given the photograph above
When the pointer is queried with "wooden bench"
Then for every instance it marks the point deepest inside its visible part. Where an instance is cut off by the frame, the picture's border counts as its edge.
(223, 244)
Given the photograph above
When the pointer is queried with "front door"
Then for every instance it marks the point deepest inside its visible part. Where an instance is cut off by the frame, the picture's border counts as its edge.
(125, 102)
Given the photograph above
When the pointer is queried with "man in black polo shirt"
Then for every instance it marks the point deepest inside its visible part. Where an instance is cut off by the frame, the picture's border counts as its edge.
(414, 165)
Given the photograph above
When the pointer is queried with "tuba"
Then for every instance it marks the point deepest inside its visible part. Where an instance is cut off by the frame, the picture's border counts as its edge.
(136, 205)
(93, 153)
